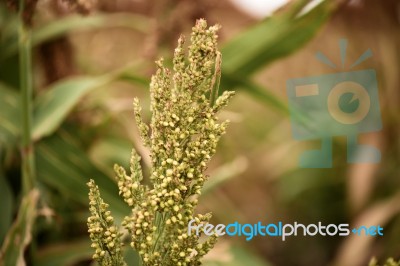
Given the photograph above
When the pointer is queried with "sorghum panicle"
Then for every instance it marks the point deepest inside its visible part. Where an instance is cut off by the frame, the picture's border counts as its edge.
(182, 137)
(105, 236)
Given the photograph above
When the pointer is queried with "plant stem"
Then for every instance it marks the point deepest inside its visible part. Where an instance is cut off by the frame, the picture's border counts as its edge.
(25, 72)
(160, 224)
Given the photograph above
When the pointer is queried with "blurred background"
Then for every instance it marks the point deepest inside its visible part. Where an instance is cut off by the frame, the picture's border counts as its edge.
(91, 57)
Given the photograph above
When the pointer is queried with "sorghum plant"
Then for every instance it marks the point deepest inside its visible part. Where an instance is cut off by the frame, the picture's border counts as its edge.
(182, 137)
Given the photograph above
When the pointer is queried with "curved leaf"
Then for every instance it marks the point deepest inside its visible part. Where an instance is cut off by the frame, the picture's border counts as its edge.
(271, 39)
(19, 236)
(257, 91)
(53, 106)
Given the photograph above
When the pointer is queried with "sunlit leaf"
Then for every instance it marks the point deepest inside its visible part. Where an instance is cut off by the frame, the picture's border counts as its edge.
(264, 43)
(271, 39)
(54, 105)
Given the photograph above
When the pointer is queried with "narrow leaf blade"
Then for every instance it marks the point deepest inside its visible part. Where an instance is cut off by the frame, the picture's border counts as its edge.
(52, 107)
(19, 237)
(69, 171)
(272, 39)
(9, 115)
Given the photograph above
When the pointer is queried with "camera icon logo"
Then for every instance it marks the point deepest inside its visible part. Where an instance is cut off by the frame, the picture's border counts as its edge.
(338, 104)
(338, 100)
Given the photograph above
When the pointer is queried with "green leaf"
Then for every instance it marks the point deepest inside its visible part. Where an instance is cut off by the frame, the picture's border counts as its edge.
(9, 116)
(110, 150)
(19, 236)
(134, 79)
(52, 107)
(131, 256)
(264, 43)
(8, 28)
(62, 164)
(257, 91)
(225, 173)
(69, 253)
(67, 24)
(272, 39)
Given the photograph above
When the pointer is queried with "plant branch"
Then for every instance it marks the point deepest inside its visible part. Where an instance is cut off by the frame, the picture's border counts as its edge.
(25, 72)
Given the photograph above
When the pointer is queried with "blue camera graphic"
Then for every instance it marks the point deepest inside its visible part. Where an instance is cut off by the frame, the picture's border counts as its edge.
(338, 104)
